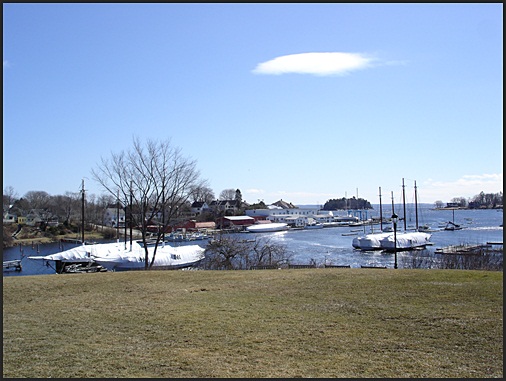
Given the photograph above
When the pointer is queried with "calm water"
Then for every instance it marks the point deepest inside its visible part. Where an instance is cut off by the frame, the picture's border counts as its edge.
(329, 245)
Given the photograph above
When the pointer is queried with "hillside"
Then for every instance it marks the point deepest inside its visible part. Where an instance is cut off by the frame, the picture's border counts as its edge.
(354, 323)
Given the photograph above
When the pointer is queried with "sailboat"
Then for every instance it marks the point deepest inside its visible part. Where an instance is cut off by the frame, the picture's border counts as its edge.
(167, 257)
(390, 241)
(451, 225)
(372, 241)
(407, 240)
(74, 260)
(118, 256)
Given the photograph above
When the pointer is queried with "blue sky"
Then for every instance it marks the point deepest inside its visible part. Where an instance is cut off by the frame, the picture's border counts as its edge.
(300, 102)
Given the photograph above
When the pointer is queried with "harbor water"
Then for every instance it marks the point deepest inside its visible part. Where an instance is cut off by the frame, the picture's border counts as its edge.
(330, 245)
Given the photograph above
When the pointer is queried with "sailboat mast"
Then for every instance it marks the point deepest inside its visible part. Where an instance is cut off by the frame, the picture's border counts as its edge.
(117, 217)
(358, 210)
(130, 219)
(404, 203)
(416, 209)
(82, 212)
(381, 211)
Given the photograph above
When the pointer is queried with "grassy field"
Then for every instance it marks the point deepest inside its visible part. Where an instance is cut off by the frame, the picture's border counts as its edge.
(261, 323)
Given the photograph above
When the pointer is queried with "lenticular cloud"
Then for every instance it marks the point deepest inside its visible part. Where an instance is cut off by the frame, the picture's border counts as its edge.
(315, 63)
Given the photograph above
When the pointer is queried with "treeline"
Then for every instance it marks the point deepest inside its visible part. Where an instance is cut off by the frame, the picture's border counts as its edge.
(347, 203)
(480, 201)
(486, 200)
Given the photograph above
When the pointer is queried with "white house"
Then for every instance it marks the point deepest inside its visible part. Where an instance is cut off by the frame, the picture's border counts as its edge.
(199, 207)
(10, 218)
(111, 216)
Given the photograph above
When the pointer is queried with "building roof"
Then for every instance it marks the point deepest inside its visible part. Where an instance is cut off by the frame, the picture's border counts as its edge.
(284, 205)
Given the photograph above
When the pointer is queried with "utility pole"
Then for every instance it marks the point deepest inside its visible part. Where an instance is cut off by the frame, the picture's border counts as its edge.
(130, 215)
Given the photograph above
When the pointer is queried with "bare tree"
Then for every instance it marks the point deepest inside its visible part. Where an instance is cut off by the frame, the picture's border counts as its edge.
(38, 199)
(234, 253)
(66, 206)
(203, 193)
(227, 194)
(154, 180)
(9, 197)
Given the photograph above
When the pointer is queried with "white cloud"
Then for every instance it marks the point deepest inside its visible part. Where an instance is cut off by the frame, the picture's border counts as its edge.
(429, 191)
(295, 197)
(254, 191)
(320, 64)
(467, 187)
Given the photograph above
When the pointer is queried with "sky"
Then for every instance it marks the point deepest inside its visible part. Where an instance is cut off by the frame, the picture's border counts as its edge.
(296, 102)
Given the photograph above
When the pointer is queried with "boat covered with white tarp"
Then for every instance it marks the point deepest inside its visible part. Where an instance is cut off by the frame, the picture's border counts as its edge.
(369, 241)
(120, 256)
(405, 241)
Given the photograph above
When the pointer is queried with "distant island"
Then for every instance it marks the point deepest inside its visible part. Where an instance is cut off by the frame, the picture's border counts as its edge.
(480, 201)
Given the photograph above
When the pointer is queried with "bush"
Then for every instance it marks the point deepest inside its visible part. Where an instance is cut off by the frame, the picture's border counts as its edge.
(109, 233)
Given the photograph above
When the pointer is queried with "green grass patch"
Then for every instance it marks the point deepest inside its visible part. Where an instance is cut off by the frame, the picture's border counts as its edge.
(257, 324)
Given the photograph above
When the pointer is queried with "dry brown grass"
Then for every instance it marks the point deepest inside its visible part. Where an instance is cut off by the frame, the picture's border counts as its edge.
(258, 324)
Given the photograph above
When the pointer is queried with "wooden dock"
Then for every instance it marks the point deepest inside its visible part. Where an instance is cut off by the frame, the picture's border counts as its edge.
(468, 249)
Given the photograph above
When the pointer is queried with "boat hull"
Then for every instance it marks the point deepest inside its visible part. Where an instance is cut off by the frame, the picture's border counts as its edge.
(267, 228)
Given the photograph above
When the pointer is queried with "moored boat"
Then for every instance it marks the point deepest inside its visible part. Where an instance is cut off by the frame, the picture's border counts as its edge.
(120, 256)
(266, 228)
(405, 241)
(369, 241)
(167, 257)
(316, 225)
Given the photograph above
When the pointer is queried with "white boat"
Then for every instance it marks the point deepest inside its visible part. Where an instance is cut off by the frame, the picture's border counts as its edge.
(167, 257)
(369, 241)
(405, 241)
(346, 220)
(315, 225)
(266, 228)
(118, 256)
(14, 265)
(424, 228)
(385, 240)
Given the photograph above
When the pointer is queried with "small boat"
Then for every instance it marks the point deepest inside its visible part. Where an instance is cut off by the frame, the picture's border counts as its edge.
(14, 265)
(346, 219)
(451, 225)
(267, 228)
(424, 228)
(315, 225)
